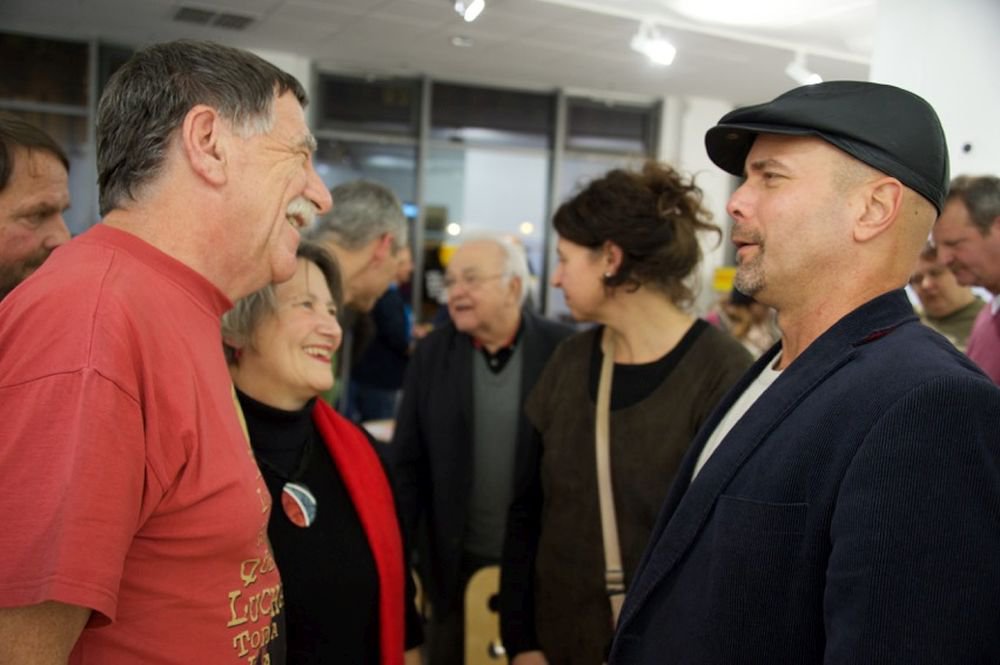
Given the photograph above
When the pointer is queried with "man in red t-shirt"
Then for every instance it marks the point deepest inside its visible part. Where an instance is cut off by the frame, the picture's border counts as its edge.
(135, 516)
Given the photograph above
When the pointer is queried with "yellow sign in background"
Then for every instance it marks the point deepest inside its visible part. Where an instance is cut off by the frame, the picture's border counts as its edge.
(722, 281)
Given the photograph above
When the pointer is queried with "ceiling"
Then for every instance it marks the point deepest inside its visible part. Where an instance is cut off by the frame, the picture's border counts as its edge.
(580, 45)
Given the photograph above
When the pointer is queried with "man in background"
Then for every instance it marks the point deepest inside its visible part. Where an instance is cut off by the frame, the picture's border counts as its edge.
(461, 437)
(377, 377)
(364, 231)
(135, 518)
(34, 194)
(948, 307)
(967, 236)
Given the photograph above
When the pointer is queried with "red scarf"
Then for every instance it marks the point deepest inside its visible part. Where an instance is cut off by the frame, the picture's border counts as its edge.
(371, 495)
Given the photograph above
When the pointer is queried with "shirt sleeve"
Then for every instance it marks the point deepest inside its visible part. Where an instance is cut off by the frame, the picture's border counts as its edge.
(72, 459)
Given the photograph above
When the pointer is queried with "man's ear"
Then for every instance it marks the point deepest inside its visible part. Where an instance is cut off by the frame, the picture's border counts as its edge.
(883, 201)
(205, 140)
(995, 226)
(517, 287)
(383, 248)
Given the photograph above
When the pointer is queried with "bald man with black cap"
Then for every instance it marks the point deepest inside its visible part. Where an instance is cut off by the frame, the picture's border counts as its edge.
(842, 504)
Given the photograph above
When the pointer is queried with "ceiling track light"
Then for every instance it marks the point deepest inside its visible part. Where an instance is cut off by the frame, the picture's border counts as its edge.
(653, 45)
(470, 10)
(798, 72)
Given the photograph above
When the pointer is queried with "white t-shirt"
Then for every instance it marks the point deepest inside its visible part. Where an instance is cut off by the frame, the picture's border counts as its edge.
(736, 411)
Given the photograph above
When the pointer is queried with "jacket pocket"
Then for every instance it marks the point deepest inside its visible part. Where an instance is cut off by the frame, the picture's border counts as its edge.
(738, 516)
(762, 581)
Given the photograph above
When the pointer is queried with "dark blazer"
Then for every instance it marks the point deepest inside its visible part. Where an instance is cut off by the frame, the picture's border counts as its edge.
(851, 516)
(431, 449)
(383, 363)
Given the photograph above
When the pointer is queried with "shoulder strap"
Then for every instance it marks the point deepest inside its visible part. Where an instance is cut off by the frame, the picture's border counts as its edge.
(614, 575)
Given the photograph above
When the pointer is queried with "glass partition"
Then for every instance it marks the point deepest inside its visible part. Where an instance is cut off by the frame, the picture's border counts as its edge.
(483, 190)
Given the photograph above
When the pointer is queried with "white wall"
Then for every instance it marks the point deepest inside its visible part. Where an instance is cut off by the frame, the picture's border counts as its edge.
(502, 190)
(682, 144)
(947, 52)
(296, 65)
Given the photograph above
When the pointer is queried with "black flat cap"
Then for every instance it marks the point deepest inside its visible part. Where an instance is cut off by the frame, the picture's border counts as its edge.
(888, 128)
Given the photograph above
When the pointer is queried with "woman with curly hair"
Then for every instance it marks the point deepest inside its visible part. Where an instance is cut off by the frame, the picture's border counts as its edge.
(628, 245)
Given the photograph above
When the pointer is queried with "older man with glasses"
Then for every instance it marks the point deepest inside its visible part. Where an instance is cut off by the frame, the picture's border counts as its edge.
(460, 434)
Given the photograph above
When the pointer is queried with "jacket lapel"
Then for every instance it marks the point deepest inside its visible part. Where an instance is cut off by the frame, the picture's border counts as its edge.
(689, 504)
(463, 356)
(532, 362)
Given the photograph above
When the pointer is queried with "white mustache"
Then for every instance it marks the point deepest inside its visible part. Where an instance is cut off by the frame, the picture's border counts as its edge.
(302, 209)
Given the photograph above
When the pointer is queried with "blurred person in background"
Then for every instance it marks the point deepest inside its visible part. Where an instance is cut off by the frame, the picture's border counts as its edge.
(461, 436)
(747, 320)
(377, 377)
(946, 305)
(34, 194)
(628, 245)
(967, 237)
(364, 232)
(333, 528)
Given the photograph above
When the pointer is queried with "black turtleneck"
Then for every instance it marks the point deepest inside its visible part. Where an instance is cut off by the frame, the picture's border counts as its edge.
(327, 569)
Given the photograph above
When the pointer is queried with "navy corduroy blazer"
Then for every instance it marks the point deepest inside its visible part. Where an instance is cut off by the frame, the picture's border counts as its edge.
(851, 516)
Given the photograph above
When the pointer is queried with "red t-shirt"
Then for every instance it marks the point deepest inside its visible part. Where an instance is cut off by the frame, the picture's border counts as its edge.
(126, 482)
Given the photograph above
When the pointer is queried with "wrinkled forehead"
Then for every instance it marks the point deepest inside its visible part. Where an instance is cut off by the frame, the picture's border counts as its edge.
(780, 146)
(476, 256)
(953, 223)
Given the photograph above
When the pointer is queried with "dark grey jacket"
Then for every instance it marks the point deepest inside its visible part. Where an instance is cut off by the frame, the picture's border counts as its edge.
(431, 451)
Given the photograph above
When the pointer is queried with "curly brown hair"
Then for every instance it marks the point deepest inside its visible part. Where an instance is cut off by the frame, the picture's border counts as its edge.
(653, 215)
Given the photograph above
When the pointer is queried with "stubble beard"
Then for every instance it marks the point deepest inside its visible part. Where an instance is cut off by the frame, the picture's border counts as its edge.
(749, 278)
(13, 274)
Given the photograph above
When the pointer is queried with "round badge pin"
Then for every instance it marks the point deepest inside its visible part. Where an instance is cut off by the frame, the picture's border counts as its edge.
(299, 504)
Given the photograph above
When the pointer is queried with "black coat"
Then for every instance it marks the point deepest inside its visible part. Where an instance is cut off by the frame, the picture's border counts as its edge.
(851, 516)
(432, 445)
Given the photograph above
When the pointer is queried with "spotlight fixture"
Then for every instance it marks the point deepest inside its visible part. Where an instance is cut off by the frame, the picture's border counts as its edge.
(801, 74)
(470, 11)
(653, 45)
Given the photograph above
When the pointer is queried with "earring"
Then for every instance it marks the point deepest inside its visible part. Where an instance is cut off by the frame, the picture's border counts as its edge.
(608, 275)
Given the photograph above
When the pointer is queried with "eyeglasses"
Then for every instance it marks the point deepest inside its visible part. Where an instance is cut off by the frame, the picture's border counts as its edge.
(469, 282)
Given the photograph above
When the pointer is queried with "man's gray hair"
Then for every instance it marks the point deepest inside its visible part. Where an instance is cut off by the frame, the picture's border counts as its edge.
(981, 196)
(147, 99)
(362, 211)
(515, 260)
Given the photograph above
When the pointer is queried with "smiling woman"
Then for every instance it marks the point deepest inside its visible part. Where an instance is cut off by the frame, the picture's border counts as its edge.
(333, 525)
